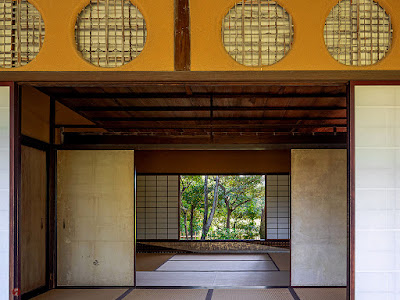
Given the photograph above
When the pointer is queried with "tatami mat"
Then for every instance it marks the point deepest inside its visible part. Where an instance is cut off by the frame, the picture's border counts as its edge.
(270, 294)
(282, 260)
(194, 294)
(227, 257)
(175, 278)
(243, 279)
(321, 293)
(209, 279)
(217, 266)
(88, 294)
(150, 261)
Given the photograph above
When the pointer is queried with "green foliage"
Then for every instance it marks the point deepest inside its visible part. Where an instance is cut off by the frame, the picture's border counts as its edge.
(241, 197)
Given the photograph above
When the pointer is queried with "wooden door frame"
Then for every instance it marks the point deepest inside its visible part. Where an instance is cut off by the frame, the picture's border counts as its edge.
(15, 189)
(351, 179)
(47, 79)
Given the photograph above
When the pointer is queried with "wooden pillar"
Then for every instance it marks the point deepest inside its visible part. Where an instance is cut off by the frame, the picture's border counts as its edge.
(15, 190)
(52, 245)
(182, 35)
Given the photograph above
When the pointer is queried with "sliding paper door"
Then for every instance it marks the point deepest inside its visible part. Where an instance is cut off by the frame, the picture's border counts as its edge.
(377, 194)
(95, 218)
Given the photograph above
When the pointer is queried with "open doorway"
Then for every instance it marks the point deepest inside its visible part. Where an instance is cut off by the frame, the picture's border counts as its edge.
(209, 230)
(288, 136)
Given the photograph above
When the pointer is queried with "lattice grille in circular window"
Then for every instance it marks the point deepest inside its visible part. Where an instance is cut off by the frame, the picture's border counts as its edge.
(21, 33)
(358, 32)
(257, 32)
(110, 33)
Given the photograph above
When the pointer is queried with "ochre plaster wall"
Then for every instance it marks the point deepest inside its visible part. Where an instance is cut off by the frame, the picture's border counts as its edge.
(308, 52)
(59, 49)
(223, 162)
(35, 114)
(207, 51)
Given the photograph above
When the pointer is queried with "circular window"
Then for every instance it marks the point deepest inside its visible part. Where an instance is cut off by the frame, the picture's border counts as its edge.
(257, 32)
(22, 33)
(358, 32)
(110, 33)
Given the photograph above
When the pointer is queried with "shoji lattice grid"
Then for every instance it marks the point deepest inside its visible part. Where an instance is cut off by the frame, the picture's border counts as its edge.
(21, 33)
(278, 206)
(110, 33)
(377, 192)
(157, 207)
(358, 32)
(257, 32)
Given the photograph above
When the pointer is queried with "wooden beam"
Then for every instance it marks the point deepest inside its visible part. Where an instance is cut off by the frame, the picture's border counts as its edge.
(182, 35)
(273, 139)
(185, 119)
(206, 108)
(196, 95)
(200, 146)
(118, 78)
(205, 126)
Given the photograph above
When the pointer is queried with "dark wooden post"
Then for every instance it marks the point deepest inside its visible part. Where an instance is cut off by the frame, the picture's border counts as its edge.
(182, 35)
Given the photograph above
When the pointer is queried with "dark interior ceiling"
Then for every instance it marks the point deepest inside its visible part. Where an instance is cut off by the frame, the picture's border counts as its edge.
(206, 114)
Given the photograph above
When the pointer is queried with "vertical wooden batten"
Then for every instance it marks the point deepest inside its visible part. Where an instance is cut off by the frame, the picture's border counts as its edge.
(182, 36)
(15, 187)
(51, 163)
(350, 193)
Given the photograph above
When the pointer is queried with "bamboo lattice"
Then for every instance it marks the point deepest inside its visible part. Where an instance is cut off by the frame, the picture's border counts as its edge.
(22, 33)
(257, 32)
(110, 33)
(358, 32)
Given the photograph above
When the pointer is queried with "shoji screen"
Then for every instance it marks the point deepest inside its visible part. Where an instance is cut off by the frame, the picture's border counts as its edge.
(157, 207)
(377, 197)
(278, 206)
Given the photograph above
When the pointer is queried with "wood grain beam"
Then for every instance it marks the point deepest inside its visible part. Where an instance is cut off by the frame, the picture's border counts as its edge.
(199, 126)
(186, 119)
(182, 35)
(226, 139)
(118, 78)
(196, 95)
(206, 108)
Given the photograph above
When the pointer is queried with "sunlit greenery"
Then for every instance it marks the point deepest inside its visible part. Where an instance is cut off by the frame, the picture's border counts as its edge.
(222, 207)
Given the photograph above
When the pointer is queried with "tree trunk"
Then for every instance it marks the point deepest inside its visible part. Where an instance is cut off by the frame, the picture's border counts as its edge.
(186, 227)
(228, 219)
(263, 234)
(207, 225)
(205, 216)
(191, 221)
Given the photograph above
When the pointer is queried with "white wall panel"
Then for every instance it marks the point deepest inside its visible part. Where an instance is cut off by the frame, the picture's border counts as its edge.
(377, 155)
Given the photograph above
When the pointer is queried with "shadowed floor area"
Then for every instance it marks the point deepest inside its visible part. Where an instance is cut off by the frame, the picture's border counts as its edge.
(150, 261)
(323, 293)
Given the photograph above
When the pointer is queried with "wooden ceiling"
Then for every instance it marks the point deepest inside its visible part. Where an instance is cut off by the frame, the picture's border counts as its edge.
(204, 114)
